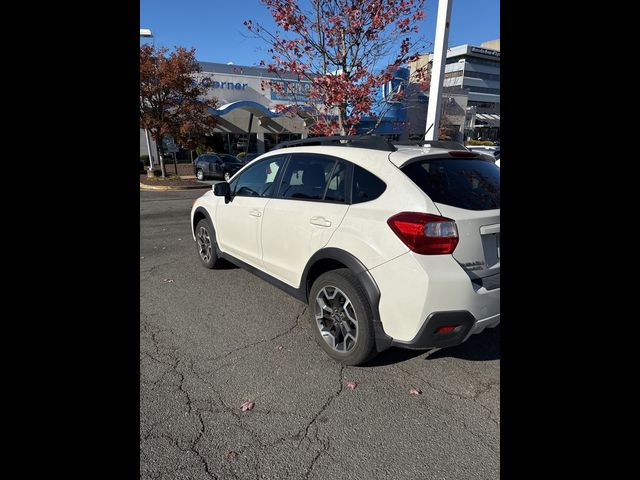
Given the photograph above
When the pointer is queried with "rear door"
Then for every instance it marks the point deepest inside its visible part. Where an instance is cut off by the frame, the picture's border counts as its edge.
(466, 190)
(307, 209)
(209, 166)
(216, 166)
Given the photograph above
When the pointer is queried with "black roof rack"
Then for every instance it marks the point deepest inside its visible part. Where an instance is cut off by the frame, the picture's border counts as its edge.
(373, 142)
(448, 144)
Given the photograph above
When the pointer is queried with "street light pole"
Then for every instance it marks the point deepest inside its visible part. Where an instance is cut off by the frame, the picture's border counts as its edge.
(146, 133)
(145, 32)
(437, 69)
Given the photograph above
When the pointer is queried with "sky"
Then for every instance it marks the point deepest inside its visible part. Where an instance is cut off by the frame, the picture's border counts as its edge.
(215, 27)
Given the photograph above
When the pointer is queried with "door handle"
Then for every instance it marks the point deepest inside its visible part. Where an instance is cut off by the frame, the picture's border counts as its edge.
(320, 221)
(255, 213)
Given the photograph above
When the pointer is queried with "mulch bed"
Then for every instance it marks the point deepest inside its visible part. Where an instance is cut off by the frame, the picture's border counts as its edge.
(183, 168)
(183, 182)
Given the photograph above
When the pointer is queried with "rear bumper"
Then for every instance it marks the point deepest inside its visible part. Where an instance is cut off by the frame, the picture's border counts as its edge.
(414, 289)
(464, 325)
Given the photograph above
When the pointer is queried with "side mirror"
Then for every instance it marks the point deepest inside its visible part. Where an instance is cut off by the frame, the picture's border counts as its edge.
(222, 189)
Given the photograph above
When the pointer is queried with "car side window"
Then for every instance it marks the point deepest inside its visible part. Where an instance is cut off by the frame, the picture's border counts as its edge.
(306, 177)
(366, 186)
(336, 186)
(258, 181)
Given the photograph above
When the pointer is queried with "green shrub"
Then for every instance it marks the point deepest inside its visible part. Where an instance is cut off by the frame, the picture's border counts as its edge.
(200, 149)
(241, 154)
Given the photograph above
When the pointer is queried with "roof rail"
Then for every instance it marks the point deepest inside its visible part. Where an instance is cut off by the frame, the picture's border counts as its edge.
(373, 142)
(448, 144)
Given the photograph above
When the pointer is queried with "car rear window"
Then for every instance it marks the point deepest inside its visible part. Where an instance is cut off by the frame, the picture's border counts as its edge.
(468, 183)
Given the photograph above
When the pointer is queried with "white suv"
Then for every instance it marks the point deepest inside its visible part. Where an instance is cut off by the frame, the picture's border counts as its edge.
(388, 246)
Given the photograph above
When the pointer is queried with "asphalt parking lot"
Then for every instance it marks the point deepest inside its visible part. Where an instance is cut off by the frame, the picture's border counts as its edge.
(213, 339)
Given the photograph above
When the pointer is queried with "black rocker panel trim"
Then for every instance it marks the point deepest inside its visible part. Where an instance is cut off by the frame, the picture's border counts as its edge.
(294, 292)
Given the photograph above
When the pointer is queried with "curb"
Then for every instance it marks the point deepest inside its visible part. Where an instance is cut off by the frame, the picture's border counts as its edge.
(169, 187)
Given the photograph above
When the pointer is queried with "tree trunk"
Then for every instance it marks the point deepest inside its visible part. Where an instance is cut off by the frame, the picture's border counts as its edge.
(342, 117)
(175, 163)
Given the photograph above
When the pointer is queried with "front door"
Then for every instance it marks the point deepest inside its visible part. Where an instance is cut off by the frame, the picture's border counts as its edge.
(239, 222)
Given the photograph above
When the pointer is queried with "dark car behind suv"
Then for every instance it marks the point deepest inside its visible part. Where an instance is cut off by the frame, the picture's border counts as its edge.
(250, 157)
(213, 165)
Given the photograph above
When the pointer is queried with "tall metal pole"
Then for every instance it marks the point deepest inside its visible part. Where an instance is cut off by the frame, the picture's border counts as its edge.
(145, 32)
(437, 69)
(146, 132)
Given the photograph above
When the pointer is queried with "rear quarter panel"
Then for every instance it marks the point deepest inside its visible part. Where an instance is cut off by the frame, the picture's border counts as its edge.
(364, 231)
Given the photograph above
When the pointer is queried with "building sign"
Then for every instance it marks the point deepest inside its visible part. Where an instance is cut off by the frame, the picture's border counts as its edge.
(233, 88)
(485, 51)
(291, 90)
(229, 85)
(169, 145)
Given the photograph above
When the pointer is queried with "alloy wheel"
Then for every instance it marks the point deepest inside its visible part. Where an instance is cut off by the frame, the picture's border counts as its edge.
(336, 319)
(204, 244)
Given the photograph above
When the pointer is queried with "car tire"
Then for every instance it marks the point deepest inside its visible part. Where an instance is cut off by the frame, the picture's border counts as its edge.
(206, 244)
(199, 174)
(332, 289)
(227, 176)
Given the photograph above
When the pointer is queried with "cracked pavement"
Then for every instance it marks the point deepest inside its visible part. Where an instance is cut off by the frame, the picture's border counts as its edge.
(209, 342)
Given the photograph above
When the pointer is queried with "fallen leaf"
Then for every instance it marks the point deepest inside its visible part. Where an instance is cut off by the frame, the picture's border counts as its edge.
(168, 280)
(246, 406)
(141, 258)
(415, 391)
(352, 385)
(179, 239)
(279, 348)
(231, 455)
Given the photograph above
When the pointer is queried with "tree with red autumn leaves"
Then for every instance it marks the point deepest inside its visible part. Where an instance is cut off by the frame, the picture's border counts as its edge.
(171, 102)
(344, 49)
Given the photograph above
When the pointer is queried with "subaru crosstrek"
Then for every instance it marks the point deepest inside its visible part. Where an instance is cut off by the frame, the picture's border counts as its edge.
(389, 246)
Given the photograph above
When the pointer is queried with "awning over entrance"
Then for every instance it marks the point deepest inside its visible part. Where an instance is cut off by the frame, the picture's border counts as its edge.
(259, 110)
(253, 107)
(488, 119)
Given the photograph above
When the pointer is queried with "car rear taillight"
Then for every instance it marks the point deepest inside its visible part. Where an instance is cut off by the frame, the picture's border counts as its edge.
(425, 233)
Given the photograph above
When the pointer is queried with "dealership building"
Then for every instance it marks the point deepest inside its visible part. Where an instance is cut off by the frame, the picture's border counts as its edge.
(247, 108)
(253, 116)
